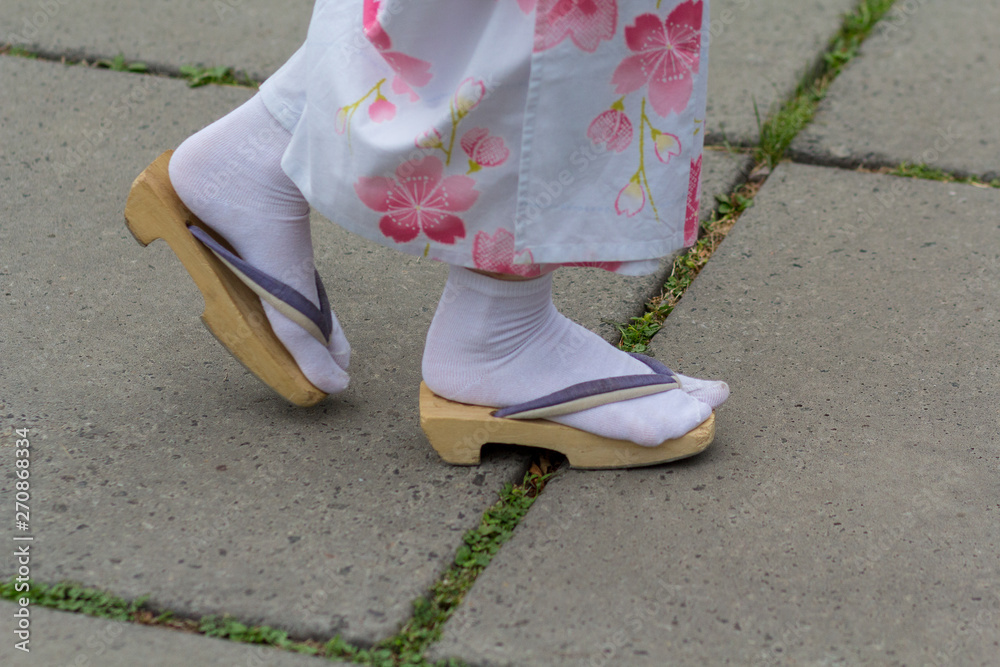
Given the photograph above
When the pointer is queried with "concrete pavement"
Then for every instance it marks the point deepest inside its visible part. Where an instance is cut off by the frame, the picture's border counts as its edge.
(845, 515)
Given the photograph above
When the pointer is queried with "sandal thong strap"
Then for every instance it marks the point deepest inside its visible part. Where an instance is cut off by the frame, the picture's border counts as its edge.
(286, 299)
(594, 393)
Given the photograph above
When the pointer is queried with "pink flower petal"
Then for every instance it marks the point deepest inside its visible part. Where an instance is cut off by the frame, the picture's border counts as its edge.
(457, 193)
(400, 87)
(673, 95)
(483, 149)
(687, 14)
(400, 228)
(586, 22)
(414, 71)
(630, 75)
(382, 110)
(443, 228)
(691, 221)
(375, 191)
(607, 266)
(429, 139)
(373, 29)
(612, 128)
(631, 199)
(496, 253)
(647, 33)
(667, 146)
(471, 138)
(340, 121)
(469, 94)
(427, 169)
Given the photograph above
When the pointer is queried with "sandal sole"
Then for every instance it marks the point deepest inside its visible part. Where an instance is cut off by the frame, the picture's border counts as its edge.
(458, 432)
(233, 313)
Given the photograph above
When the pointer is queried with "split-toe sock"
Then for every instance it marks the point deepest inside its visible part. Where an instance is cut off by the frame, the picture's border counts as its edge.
(229, 174)
(498, 343)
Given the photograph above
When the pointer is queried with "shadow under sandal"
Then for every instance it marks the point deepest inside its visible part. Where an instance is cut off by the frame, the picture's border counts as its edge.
(458, 431)
(232, 290)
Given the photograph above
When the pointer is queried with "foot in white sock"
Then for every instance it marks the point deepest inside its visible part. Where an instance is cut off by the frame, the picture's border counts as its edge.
(498, 343)
(229, 175)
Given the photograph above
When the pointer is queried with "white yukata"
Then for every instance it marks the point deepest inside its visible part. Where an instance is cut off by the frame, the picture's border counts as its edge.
(503, 135)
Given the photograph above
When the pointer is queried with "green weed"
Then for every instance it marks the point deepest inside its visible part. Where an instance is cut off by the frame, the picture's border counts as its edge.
(779, 129)
(907, 170)
(222, 75)
(69, 596)
(119, 64)
(19, 51)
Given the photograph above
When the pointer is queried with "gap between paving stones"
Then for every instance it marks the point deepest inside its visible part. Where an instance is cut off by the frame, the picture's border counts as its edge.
(499, 521)
(195, 76)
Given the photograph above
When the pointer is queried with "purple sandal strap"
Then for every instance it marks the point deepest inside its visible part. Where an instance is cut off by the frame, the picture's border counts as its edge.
(654, 365)
(286, 299)
(586, 395)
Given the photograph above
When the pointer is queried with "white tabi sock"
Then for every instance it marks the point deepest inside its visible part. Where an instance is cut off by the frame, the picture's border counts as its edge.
(498, 343)
(229, 174)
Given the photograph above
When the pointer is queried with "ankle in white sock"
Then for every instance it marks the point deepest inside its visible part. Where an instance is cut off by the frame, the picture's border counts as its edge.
(229, 174)
(498, 343)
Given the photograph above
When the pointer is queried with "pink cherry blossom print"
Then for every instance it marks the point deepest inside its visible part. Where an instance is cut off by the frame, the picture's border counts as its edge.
(667, 55)
(667, 146)
(400, 87)
(586, 22)
(429, 139)
(527, 6)
(631, 199)
(419, 200)
(496, 253)
(484, 150)
(381, 110)
(342, 119)
(613, 129)
(469, 94)
(693, 203)
(607, 266)
(412, 71)
(372, 27)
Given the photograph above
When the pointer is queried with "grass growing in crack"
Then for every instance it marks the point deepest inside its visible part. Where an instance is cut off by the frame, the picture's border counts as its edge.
(222, 75)
(119, 64)
(922, 171)
(18, 51)
(636, 336)
(779, 129)
(479, 546)
(68, 596)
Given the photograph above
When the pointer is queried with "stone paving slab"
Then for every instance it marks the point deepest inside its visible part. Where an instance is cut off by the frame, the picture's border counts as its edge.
(61, 638)
(161, 465)
(759, 52)
(925, 90)
(256, 36)
(848, 510)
